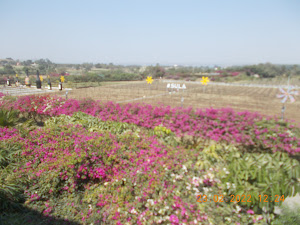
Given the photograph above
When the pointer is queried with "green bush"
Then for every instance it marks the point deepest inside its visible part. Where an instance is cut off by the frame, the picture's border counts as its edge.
(288, 217)
(8, 118)
(11, 192)
(91, 123)
(262, 174)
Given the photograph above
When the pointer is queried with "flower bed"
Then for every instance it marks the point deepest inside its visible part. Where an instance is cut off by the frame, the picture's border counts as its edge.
(251, 130)
(91, 177)
(92, 171)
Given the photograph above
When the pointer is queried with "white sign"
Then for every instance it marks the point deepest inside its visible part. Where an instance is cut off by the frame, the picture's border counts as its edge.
(176, 86)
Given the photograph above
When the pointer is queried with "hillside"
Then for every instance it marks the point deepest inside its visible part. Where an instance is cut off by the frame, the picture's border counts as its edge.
(91, 162)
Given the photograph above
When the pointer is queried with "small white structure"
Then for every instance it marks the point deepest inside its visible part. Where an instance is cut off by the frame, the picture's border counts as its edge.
(176, 86)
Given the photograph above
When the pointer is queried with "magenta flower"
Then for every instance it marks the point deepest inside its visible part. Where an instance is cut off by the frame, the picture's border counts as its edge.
(250, 211)
(174, 218)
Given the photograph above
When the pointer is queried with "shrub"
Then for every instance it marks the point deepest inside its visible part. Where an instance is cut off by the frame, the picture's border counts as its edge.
(8, 118)
(288, 217)
(262, 174)
(11, 192)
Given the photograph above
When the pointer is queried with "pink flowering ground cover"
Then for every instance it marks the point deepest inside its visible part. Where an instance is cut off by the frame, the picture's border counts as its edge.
(251, 130)
(133, 177)
(102, 178)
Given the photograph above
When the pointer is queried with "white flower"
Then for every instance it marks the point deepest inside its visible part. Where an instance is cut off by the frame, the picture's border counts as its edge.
(133, 211)
(184, 168)
(228, 219)
(150, 201)
(106, 183)
(196, 181)
(228, 185)
(178, 177)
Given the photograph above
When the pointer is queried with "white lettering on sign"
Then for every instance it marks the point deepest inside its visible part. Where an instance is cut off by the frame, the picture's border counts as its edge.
(176, 86)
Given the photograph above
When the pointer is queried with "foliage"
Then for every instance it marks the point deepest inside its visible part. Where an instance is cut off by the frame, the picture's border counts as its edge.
(262, 174)
(8, 118)
(104, 76)
(154, 71)
(11, 193)
(102, 177)
(104, 163)
(288, 216)
(91, 123)
(244, 129)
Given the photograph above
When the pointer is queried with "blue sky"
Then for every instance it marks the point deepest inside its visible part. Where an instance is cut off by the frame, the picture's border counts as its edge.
(186, 32)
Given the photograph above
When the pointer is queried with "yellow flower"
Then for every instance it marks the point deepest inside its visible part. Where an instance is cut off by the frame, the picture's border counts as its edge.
(41, 78)
(149, 80)
(16, 75)
(204, 80)
(62, 79)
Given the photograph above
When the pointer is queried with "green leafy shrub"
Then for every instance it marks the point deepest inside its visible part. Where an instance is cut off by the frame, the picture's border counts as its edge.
(262, 174)
(11, 192)
(91, 123)
(164, 134)
(8, 118)
(288, 217)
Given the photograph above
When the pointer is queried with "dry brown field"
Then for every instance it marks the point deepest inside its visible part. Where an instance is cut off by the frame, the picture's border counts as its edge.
(255, 99)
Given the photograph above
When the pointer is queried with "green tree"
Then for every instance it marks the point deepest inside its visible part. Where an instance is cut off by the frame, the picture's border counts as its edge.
(8, 69)
(87, 66)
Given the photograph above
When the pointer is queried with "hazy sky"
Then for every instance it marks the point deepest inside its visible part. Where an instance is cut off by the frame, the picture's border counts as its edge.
(183, 32)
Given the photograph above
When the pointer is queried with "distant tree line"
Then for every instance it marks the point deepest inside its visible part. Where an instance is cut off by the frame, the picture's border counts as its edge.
(268, 70)
(109, 72)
